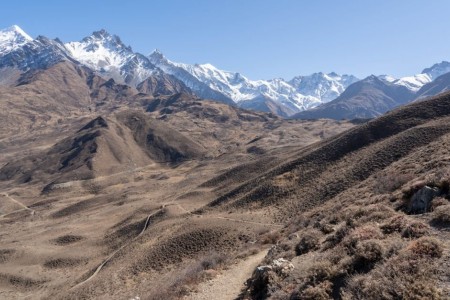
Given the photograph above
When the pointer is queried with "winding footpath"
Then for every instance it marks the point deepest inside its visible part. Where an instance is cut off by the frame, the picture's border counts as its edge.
(99, 268)
(24, 207)
(248, 264)
(230, 283)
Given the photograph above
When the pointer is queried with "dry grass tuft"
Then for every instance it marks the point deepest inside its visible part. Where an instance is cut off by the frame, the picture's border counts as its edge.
(415, 230)
(359, 234)
(395, 224)
(389, 182)
(426, 247)
(271, 237)
(441, 215)
(367, 253)
(321, 291)
(204, 268)
(310, 241)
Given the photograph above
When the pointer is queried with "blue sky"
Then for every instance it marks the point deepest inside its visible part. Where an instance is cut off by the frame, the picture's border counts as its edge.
(260, 38)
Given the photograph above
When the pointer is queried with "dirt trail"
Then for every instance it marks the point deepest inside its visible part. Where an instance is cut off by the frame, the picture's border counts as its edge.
(17, 202)
(99, 268)
(241, 273)
(230, 283)
(24, 207)
(228, 219)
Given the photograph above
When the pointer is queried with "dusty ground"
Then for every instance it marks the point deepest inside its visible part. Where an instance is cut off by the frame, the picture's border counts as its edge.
(229, 283)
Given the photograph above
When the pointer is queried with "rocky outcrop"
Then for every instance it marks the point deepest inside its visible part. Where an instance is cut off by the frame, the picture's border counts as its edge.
(421, 200)
(265, 278)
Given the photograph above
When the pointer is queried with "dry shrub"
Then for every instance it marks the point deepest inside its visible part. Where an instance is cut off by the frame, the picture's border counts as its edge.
(369, 213)
(388, 182)
(326, 228)
(322, 291)
(411, 189)
(438, 201)
(279, 295)
(401, 277)
(248, 251)
(318, 281)
(337, 237)
(425, 247)
(199, 271)
(395, 224)
(441, 215)
(310, 241)
(213, 260)
(319, 272)
(367, 254)
(363, 233)
(415, 230)
(271, 237)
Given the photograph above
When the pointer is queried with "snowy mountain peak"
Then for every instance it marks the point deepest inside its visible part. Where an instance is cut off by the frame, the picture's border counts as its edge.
(108, 55)
(12, 38)
(415, 82)
(325, 87)
(157, 57)
(437, 70)
(111, 41)
(100, 50)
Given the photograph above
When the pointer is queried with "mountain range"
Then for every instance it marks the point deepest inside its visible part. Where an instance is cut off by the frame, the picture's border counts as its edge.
(319, 95)
(375, 95)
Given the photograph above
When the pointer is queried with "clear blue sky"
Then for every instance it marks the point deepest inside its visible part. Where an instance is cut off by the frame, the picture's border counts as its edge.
(260, 38)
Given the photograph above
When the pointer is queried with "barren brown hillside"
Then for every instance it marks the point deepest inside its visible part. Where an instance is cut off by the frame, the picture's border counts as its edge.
(104, 191)
(107, 193)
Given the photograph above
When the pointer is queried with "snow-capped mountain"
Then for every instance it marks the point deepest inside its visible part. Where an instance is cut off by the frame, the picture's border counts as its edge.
(106, 54)
(437, 70)
(416, 82)
(239, 88)
(200, 88)
(32, 54)
(12, 38)
(366, 98)
(325, 87)
(306, 92)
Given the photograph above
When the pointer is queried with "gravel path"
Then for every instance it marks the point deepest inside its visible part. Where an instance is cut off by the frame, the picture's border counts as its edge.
(229, 283)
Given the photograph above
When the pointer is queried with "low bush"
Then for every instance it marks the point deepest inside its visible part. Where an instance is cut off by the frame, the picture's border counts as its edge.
(335, 238)
(359, 234)
(395, 224)
(388, 182)
(425, 247)
(439, 201)
(322, 291)
(319, 272)
(367, 254)
(441, 215)
(310, 241)
(271, 237)
(415, 230)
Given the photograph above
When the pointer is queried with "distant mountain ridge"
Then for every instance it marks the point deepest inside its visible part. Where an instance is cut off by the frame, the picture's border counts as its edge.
(302, 96)
(107, 55)
(368, 98)
(375, 95)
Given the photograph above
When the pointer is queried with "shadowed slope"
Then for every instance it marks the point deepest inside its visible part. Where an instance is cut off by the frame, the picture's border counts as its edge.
(101, 147)
(323, 170)
(367, 98)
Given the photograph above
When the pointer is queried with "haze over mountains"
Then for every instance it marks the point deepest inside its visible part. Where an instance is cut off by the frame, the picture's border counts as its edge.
(106, 54)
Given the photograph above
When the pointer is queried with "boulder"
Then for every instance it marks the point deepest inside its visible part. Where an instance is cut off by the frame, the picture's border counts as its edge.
(421, 201)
